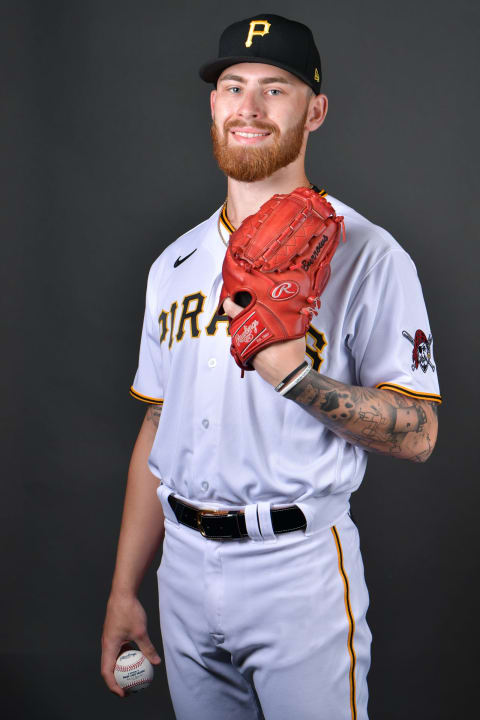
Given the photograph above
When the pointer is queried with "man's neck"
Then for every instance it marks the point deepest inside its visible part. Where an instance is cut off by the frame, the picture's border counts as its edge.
(245, 199)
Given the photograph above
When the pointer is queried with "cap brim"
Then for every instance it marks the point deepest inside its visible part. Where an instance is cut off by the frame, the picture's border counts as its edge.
(210, 72)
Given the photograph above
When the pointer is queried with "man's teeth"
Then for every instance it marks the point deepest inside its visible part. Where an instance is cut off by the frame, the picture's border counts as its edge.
(249, 135)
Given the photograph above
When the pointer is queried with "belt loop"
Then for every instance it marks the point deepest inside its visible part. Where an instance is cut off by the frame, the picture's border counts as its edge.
(251, 522)
(265, 521)
(162, 493)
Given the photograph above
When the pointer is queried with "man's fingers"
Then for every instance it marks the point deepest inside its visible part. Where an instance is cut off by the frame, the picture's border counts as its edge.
(109, 658)
(231, 309)
(148, 649)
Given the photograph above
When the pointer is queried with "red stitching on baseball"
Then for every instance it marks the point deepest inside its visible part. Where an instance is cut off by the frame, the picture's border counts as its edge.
(133, 666)
(137, 682)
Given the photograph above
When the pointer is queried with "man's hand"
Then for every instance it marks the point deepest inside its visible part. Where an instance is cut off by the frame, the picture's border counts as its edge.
(276, 361)
(125, 621)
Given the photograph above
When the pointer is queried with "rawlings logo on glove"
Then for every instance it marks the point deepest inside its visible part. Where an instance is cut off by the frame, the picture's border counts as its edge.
(248, 331)
(285, 290)
(279, 258)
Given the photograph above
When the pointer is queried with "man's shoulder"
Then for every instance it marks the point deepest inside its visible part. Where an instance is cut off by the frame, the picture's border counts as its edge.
(368, 247)
(362, 232)
(185, 244)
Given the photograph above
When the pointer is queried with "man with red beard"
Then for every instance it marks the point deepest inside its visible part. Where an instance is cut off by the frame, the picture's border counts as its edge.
(262, 592)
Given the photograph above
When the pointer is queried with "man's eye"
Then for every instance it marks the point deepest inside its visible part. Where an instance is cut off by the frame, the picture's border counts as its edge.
(274, 91)
(234, 90)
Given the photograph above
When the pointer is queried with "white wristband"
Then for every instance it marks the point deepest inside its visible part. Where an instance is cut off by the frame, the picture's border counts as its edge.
(296, 380)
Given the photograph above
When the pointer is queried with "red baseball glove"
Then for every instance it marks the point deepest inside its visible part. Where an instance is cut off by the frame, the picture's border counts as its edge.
(276, 266)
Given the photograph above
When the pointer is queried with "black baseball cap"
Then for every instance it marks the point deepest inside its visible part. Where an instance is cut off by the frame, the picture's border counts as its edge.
(269, 39)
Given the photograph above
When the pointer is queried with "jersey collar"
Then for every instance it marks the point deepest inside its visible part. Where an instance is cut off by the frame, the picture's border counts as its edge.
(225, 227)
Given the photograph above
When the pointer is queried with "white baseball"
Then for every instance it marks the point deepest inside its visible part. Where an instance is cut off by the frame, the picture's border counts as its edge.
(133, 671)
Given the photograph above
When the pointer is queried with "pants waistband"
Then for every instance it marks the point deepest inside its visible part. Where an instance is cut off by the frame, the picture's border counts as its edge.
(232, 524)
(320, 512)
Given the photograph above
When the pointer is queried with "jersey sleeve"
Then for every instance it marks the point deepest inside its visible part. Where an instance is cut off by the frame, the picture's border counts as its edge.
(388, 331)
(147, 384)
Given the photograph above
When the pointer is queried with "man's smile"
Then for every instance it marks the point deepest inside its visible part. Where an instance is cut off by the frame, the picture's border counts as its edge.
(249, 135)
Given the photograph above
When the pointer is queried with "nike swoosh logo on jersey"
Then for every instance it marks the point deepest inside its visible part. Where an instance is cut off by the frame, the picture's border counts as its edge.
(179, 261)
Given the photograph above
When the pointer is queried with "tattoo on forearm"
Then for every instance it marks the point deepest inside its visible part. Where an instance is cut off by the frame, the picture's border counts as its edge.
(153, 414)
(380, 421)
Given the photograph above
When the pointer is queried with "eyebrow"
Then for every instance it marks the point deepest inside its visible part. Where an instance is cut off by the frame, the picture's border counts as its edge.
(262, 81)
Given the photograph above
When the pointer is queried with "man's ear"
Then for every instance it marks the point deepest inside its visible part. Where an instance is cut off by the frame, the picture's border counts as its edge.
(213, 95)
(317, 112)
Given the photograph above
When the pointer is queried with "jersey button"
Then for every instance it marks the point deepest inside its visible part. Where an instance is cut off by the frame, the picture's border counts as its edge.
(205, 423)
(212, 362)
(205, 485)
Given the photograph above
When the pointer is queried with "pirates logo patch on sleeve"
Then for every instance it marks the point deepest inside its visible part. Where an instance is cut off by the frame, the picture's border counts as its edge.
(421, 352)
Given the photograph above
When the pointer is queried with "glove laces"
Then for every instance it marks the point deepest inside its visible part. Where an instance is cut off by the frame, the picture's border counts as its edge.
(339, 220)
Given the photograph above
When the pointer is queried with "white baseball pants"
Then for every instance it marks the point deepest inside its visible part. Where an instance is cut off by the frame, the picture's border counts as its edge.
(265, 628)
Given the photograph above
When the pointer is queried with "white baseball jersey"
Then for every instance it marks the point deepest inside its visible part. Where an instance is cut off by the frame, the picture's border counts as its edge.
(227, 441)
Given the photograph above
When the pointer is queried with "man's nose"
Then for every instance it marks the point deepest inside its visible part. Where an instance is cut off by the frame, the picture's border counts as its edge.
(251, 106)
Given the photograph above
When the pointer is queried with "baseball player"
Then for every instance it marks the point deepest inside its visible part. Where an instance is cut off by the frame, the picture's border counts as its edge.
(261, 585)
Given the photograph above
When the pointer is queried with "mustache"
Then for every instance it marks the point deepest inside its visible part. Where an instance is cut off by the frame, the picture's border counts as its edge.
(235, 125)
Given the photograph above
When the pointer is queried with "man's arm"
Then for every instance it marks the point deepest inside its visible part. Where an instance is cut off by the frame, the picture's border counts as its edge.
(380, 421)
(141, 533)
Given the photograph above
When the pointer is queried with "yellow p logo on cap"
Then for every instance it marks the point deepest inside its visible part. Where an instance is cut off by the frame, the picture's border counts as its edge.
(266, 28)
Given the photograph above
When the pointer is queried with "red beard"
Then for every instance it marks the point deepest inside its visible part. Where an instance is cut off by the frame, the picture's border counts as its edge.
(248, 163)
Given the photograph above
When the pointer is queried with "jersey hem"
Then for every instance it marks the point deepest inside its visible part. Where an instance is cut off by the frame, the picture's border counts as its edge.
(433, 397)
(145, 398)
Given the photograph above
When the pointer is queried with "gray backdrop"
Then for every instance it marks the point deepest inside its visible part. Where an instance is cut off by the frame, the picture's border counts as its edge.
(107, 160)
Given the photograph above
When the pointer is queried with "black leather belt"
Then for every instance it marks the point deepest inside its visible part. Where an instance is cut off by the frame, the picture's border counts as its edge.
(231, 524)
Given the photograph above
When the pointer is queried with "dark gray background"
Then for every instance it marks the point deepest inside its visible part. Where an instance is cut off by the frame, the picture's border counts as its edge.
(106, 160)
